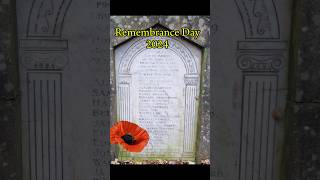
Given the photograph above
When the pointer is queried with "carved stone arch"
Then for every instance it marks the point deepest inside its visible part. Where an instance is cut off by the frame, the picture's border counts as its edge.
(46, 18)
(176, 46)
(259, 19)
(260, 57)
(43, 55)
(43, 47)
(138, 45)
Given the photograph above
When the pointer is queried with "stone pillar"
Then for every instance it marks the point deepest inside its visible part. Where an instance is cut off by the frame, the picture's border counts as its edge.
(42, 61)
(259, 130)
(190, 126)
(123, 94)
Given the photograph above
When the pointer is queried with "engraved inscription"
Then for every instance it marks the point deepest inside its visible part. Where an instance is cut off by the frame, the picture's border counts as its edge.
(158, 89)
(158, 77)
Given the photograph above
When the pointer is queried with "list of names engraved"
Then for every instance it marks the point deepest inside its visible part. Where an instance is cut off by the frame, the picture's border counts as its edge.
(158, 100)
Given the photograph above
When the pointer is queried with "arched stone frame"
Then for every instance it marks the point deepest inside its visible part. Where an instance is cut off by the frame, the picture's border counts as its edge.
(46, 18)
(259, 19)
(261, 56)
(191, 80)
(43, 56)
(42, 46)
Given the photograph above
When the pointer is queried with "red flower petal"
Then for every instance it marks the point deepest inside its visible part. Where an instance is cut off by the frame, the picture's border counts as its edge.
(140, 136)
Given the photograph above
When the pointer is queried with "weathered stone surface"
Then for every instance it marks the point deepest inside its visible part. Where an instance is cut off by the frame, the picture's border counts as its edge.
(304, 148)
(64, 78)
(9, 97)
(308, 64)
(159, 90)
(249, 68)
(203, 152)
(175, 22)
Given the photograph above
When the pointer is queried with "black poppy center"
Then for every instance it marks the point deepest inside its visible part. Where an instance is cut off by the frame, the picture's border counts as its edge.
(128, 138)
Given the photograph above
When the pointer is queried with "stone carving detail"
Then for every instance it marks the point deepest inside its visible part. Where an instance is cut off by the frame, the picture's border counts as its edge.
(140, 45)
(192, 83)
(260, 84)
(259, 18)
(159, 88)
(43, 139)
(44, 54)
(124, 79)
(258, 62)
(46, 17)
(44, 61)
(45, 13)
(123, 99)
(191, 80)
(41, 51)
(258, 129)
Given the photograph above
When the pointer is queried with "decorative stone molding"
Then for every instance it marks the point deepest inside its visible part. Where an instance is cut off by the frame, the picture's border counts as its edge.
(46, 18)
(44, 54)
(260, 62)
(124, 78)
(175, 45)
(191, 80)
(259, 18)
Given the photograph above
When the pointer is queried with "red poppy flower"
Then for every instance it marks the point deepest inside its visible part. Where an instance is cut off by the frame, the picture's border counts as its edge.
(129, 135)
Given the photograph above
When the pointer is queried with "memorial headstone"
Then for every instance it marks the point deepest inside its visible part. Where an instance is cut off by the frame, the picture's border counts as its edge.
(159, 90)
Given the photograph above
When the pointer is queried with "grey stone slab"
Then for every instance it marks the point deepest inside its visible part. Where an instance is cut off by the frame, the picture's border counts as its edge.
(176, 22)
(249, 85)
(64, 77)
(307, 44)
(303, 147)
(158, 89)
(303, 150)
